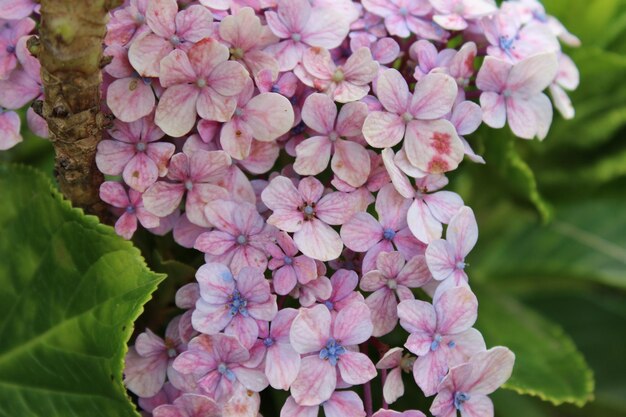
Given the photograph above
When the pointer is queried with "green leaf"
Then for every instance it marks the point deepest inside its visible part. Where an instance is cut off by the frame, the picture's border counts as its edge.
(70, 290)
(547, 364)
(585, 242)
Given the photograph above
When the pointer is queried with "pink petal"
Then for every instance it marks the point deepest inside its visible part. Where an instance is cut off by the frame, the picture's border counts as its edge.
(529, 117)
(311, 189)
(462, 232)
(534, 74)
(494, 109)
(393, 91)
(351, 118)
(478, 406)
(176, 68)
(325, 28)
(344, 403)
(361, 232)
(356, 368)
(335, 208)
(399, 180)
(126, 225)
(351, 162)
(457, 310)
(146, 53)
(383, 130)
(443, 205)
(319, 113)
(215, 107)
(415, 273)
(383, 306)
(310, 329)
(228, 78)
(160, 16)
(392, 208)
(360, 68)
(140, 172)
(176, 111)
(441, 259)
(490, 369)
(112, 156)
(282, 365)
(113, 193)
(9, 130)
(294, 14)
(352, 324)
(245, 329)
(433, 97)
(433, 146)
(417, 316)
(493, 75)
(422, 223)
(269, 116)
(315, 382)
(144, 375)
(281, 193)
(253, 379)
(466, 117)
(194, 23)
(216, 283)
(130, 99)
(292, 409)
(215, 242)
(429, 370)
(312, 155)
(394, 387)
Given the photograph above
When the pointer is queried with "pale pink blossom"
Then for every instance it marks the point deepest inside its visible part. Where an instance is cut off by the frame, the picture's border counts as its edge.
(284, 84)
(466, 117)
(10, 34)
(202, 82)
(403, 17)
(263, 117)
(384, 50)
(330, 343)
(299, 26)
(239, 238)
(317, 289)
(189, 405)
(16, 9)
(567, 78)
(135, 153)
(185, 233)
(430, 142)
(441, 335)
(454, 14)
(393, 387)
(344, 291)
(150, 360)
(216, 362)
(194, 176)
(10, 125)
(289, 269)
(170, 30)
(428, 59)
(340, 404)
(127, 23)
(305, 212)
(333, 135)
(246, 37)
(282, 363)
(233, 304)
(113, 193)
(166, 395)
(534, 11)
(466, 387)
(391, 281)
(513, 93)
(343, 83)
(363, 233)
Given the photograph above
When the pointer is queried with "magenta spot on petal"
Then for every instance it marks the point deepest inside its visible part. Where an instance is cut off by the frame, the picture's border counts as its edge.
(441, 143)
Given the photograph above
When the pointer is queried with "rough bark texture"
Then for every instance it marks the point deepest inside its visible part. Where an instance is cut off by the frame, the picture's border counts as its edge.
(70, 52)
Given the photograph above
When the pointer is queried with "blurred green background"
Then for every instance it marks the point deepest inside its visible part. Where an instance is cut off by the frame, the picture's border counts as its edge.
(550, 265)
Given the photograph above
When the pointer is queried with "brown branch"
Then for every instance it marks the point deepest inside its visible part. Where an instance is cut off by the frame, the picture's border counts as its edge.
(70, 52)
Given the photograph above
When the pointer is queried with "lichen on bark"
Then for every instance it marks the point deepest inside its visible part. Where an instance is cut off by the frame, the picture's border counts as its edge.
(69, 48)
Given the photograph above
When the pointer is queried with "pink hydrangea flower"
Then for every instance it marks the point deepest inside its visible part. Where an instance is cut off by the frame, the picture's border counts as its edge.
(217, 364)
(393, 277)
(428, 59)
(288, 268)
(189, 405)
(166, 395)
(9, 129)
(567, 78)
(23, 85)
(130, 97)
(233, 304)
(363, 233)
(343, 83)
(350, 161)
(306, 213)
(340, 404)
(343, 294)
(16, 9)
(194, 175)
(454, 14)
(150, 360)
(384, 50)
(446, 258)
(10, 34)
(300, 25)
(263, 117)
(393, 387)
(239, 238)
(246, 37)
(317, 289)
(170, 30)
(330, 344)
(466, 387)
(282, 363)
(430, 142)
(441, 335)
(113, 193)
(392, 413)
(466, 117)
(285, 84)
(513, 93)
(201, 82)
(403, 17)
(135, 153)
(127, 23)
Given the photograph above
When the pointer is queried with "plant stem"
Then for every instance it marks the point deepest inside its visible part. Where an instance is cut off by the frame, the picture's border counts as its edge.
(383, 378)
(70, 52)
(367, 388)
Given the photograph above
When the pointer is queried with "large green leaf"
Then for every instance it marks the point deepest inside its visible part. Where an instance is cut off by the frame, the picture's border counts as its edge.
(70, 290)
(547, 364)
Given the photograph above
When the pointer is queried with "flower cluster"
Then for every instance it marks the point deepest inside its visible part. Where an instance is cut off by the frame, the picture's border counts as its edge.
(302, 147)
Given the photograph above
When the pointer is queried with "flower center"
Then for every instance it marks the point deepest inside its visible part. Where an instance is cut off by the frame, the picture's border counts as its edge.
(288, 260)
(309, 211)
(140, 19)
(189, 185)
(333, 136)
(236, 53)
(389, 234)
(392, 284)
(201, 83)
(460, 265)
(296, 37)
(451, 344)
(171, 347)
(435, 343)
(238, 304)
(507, 93)
(10, 49)
(459, 399)
(332, 351)
(175, 40)
(329, 304)
(268, 341)
(242, 239)
(130, 210)
(140, 146)
(407, 117)
(338, 75)
(238, 112)
(223, 369)
(403, 11)
(505, 43)
(275, 89)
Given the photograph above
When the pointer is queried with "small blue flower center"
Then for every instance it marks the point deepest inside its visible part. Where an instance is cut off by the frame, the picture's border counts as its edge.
(540, 16)
(435, 343)
(268, 341)
(223, 369)
(296, 37)
(451, 344)
(403, 11)
(130, 210)
(10, 49)
(242, 239)
(392, 284)
(140, 146)
(308, 210)
(506, 44)
(175, 40)
(329, 304)
(201, 83)
(140, 19)
(332, 351)
(389, 234)
(146, 80)
(288, 260)
(459, 399)
(460, 265)
(238, 304)
(189, 185)
(299, 128)
(238, 112)
(275, 89)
